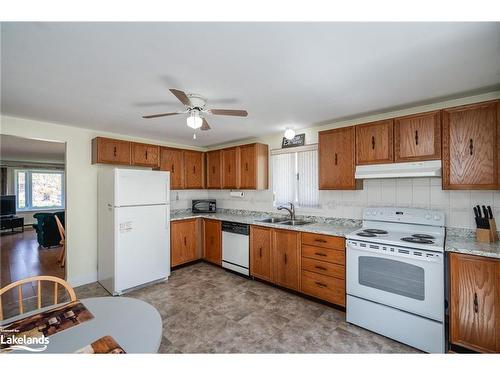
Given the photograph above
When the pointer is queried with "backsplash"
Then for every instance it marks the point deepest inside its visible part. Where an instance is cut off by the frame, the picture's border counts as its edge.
(404, 192)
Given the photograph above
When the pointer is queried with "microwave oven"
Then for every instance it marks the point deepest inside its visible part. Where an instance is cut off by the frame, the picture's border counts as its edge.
(204, 206)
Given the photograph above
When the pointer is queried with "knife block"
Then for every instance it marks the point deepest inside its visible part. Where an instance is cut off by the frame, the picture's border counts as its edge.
(488, 235)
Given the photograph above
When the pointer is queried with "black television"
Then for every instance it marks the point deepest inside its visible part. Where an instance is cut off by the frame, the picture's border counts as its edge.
(7, 205)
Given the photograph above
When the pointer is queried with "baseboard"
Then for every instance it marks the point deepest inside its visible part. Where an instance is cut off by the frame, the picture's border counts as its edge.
(82, 280)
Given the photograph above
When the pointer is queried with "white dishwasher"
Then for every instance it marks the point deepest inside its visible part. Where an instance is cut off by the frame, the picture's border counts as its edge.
(235, 247)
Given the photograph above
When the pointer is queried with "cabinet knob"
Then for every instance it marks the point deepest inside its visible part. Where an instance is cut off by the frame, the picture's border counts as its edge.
(246, 167)
(146, 154)
(260, 252)
(285, 258)
(335, 158)
(471, 146)
(194, 169)
(476, 304)
(373, 143)
(172, 169)
(185, 241)
(416, 137)
(114, 151)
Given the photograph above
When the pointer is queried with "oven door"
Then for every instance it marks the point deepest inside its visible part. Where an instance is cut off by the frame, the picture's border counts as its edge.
(406, 279)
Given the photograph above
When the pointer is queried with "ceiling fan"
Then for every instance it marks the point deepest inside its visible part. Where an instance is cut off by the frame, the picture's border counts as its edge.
(196, 110)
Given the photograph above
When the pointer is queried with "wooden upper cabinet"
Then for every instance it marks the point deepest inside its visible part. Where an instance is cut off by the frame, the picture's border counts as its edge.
(374, 142)
(260, 252)
(145, 155)
(194, 168)
(214, 169)
(229, 168)
(470, 146)
(110, 151)
(417, 137)
(172, 160)
(253, 169)
(286, 258)
(212, 248)
(337, 159)
(184, 245)
(475, 302)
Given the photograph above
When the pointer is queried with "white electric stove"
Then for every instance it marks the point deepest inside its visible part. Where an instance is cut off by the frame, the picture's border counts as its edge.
(395, 275)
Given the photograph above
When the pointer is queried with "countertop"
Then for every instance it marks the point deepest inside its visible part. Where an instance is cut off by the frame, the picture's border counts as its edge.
(333, 229)
(457, 240)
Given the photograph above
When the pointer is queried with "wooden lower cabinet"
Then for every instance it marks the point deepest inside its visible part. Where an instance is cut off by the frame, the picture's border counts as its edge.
(184, 241)
(212, 251)
(260, 252)
(331, 289)
(475, 302)
(286, 258)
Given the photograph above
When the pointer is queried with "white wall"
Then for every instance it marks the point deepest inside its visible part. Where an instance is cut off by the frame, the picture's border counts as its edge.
(418, 192)
(81, 188)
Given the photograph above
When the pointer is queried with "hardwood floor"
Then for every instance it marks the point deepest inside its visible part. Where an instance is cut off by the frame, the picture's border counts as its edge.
(21, 257)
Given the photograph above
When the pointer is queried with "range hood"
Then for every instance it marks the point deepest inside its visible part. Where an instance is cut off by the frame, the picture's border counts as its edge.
(431, 168)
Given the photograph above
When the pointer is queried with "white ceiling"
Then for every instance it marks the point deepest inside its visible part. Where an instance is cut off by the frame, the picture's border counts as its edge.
(106, 75)
(31, 150)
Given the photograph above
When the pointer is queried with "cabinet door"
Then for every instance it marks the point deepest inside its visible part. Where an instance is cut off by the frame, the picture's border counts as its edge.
(336, 159)
(194, 177)
(110, 151)
(212, 248)
(470, 151)
(286, 258)
(183, 246)
(374, 142)
(171, 160)
(260, 252)
(473, 311)
(229, 166)
(145, 155)
(417, 137)
(214, 169)
(248, 166)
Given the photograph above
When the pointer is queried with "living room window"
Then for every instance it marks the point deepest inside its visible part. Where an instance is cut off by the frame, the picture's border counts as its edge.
(39, 190)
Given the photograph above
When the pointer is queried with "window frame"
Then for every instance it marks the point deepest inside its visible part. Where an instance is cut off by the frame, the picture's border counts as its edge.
(28, 189)
(295, 151)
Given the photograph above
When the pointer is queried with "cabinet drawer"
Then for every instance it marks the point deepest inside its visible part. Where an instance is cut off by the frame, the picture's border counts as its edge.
(324, 268)
(321, 240)
(327, 288)
(325, 255)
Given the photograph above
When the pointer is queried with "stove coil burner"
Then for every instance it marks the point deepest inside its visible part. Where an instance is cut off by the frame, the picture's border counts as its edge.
(421, 235)
(417, 240)
(375, 231)
(365, 234)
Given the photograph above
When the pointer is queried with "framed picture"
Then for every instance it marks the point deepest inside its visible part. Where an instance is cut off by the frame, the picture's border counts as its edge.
(298, 140)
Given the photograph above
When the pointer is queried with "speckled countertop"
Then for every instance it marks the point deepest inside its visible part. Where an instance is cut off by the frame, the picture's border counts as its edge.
(457, 240)
(464, 241)
(333, 227)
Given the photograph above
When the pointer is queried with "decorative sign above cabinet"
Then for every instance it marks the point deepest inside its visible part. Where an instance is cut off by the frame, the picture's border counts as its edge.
(298, 140)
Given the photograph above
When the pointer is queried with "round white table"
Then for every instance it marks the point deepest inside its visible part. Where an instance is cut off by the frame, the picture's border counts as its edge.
(134, 324)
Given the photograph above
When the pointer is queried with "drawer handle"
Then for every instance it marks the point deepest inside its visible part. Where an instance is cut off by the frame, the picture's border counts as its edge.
(319, 240)
(320, 254)
(114, 151)
(320, 268)
(321, 284)
(476, 304)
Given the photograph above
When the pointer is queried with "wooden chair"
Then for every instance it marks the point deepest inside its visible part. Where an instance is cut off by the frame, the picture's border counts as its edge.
(19, 284)
(62, 256)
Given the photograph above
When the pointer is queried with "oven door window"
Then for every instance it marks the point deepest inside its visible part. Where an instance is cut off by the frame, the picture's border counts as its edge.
(392, 276)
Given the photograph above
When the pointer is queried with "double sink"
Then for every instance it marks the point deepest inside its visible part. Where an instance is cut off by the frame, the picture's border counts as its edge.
(281, 221)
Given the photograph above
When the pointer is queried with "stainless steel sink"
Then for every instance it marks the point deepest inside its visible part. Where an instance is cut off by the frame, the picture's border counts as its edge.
(273, 220)
(295, 222)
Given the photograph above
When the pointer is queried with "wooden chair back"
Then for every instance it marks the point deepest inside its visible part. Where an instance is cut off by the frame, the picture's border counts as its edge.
(19, 284)
(62, 232)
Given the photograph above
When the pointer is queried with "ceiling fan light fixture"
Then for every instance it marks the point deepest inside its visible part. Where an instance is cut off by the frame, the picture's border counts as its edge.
(289, 133)
(194, 121)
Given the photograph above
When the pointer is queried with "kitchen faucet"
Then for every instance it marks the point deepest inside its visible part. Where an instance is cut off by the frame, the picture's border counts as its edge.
(290, 210)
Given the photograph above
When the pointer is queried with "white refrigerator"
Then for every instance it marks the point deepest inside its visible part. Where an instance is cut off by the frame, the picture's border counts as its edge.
(133, 228)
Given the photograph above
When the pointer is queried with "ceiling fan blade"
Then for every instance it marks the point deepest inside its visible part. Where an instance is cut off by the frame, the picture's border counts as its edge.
(163, 114)
(205, 125)
(229, 112)
(181, 95)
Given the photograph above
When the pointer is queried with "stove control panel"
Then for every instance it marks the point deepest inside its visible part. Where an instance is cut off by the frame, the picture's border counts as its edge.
(405, 215)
